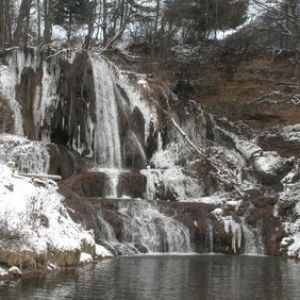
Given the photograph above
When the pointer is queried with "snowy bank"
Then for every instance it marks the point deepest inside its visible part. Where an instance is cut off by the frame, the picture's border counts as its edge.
(35, 226)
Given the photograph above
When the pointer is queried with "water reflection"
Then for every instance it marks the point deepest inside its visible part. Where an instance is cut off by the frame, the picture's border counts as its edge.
(168, 277)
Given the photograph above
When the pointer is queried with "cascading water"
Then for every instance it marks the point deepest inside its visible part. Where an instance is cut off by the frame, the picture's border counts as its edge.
(101, 136)
(210, 237)
(253, 242)
(106, 133)
(146, 230)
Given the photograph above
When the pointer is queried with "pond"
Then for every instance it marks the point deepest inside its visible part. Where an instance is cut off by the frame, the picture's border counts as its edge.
(166, 277)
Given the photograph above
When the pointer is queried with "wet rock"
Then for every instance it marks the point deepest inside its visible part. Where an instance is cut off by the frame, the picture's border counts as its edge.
(91, 184)
(61, 161)
(26, 94)
(7, 118)
(284, 140)
(137, 124)
(133, 153)
(132, 184)
(264, 201)
(65, 258)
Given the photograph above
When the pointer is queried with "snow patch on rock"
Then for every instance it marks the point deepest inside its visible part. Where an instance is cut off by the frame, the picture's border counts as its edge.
(29, 156)
(103, 252)
(37, 216)
(85, 258)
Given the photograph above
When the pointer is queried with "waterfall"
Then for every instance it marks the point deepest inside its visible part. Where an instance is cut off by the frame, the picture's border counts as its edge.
(146, 230)
(253, 241)
(139, 146)
(106, 135)
(113, 180)
(107, 233)
(210, 237)
(231, 226)
(252, 237)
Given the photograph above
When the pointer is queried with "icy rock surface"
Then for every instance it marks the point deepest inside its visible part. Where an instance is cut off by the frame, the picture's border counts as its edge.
(30, 156)
(290, 199)
(10, 76)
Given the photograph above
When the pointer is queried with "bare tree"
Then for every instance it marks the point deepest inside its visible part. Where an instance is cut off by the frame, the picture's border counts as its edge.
(23, 22)
(6, 11)
(282, 21)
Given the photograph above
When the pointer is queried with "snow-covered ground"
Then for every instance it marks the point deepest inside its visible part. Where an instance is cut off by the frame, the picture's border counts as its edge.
(33, 217)
(37, 215)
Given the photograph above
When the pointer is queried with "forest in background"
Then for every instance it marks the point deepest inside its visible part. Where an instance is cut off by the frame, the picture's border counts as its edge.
(106, 21)
(158, 22)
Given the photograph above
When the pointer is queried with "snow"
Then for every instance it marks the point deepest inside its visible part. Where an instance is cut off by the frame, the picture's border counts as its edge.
(268, 163)
(287, 133)
(103, 252)
(290, 198)
(3, 272)
(14, 270)
(85, 257)
(247, 149)
(38, 216)
(218, 212)
(143, 82)
(215, 199)
(286, 241)
(30, 156)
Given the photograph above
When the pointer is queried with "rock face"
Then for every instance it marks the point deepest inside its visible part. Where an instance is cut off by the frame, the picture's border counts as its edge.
(285, 140)
(143, 177)
(6, 122)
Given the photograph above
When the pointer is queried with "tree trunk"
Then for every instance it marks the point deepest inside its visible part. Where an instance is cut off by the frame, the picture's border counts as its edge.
(157, 17)
(48, 6)
(38, 4)
(104, 25)
(2, 24)
(24, 13)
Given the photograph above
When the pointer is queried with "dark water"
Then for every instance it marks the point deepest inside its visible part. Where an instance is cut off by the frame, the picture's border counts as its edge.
(167, 277)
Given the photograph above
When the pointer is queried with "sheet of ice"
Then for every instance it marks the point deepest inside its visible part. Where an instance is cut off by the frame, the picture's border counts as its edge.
(8, 80)
(47, 98)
